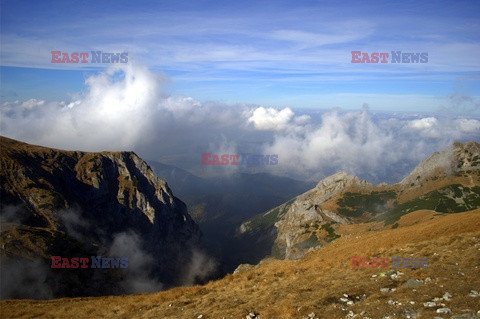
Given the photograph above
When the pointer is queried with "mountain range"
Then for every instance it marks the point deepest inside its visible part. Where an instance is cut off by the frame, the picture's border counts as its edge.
(446, 182)
(296, 256)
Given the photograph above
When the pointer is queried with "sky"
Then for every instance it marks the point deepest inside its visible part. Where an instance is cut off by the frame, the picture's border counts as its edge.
(265, 77)
(275, 53)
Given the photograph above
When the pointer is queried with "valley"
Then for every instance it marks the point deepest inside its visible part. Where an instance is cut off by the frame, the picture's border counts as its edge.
(297, 260)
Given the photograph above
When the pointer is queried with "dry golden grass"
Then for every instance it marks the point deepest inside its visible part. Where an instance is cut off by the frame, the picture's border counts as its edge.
(419, 216)
(292, 289)
(431, 185)
(416, 217)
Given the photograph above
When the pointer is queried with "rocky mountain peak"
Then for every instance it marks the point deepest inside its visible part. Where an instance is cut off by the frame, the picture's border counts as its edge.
(336, 183)
(92, 200)
(454, 159)
(445, 182)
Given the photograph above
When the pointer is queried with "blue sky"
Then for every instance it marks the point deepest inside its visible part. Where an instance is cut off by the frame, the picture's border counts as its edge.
(272, 53)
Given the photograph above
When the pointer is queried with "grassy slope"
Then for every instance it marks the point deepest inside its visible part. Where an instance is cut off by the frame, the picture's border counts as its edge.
(389, 203)
(292, 289)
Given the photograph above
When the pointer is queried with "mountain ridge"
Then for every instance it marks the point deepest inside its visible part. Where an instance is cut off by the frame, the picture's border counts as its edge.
(310, 219)
(94, 200)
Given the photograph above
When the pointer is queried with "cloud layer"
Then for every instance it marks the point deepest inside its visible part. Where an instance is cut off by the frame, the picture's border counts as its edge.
(125, 108)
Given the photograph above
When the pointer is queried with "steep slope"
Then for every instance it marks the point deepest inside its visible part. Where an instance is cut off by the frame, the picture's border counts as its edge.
(76, 204)
(446, 182)
(456, 159)
(220, 204)
(458, 163)
(322, 284)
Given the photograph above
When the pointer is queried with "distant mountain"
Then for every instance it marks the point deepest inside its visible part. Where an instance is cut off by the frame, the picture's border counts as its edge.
(446, 182)
(79, 204)
(179, 179)
(220, 204)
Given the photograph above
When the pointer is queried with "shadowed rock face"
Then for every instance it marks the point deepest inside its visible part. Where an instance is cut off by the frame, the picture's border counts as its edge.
(89, 199)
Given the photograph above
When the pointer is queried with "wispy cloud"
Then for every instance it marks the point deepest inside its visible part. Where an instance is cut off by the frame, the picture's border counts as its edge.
(195, 38)
(125, 108)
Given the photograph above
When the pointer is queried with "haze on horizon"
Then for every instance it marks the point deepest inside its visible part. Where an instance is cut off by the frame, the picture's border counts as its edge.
(267, 77)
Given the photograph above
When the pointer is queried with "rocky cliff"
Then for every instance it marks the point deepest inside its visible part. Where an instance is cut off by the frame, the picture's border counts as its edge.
(71, 203)
(455, 160)
(446, 182)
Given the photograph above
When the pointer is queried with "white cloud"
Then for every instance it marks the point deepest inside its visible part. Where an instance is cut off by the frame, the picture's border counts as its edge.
(376, 148)
(125, 108)
(122, 107)
(469, 125)
(428, 126)
(349, 141)
(424, 123)
(270, 119)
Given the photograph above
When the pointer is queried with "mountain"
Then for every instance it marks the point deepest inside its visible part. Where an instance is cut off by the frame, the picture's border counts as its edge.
(431, 220)
(446, 182)
(322, 284)
(220, 204)
(80, 204)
